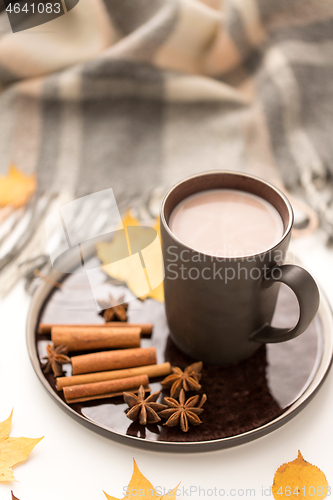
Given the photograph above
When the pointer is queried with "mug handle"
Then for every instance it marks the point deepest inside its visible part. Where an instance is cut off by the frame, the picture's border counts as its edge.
(307, 294)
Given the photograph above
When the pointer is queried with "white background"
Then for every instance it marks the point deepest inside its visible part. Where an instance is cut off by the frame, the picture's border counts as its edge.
(74, 463)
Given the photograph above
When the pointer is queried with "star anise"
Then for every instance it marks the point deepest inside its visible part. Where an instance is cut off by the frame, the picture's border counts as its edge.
(143, 409)
(117, 312)
(183, 412)
(56, 357)
(187, 379)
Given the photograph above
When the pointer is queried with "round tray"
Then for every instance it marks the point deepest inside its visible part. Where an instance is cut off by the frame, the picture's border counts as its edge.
(245, 401)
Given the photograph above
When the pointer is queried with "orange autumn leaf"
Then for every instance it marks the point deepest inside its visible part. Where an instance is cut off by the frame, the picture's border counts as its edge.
(299, 478)
(16, 188)
(12, 450)
(140, 487)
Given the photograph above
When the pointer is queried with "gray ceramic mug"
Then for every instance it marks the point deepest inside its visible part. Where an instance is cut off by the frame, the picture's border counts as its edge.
(221, 320)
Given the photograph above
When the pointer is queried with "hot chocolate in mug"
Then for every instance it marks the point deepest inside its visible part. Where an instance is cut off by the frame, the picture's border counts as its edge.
(224, 240)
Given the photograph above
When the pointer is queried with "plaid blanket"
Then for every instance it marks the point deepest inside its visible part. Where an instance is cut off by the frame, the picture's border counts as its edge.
(136, 95)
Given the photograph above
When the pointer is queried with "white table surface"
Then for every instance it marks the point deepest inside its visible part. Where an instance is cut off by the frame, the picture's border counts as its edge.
(74, 463)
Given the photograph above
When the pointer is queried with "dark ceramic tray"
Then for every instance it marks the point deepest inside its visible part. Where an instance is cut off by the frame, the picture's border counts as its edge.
(245, 401)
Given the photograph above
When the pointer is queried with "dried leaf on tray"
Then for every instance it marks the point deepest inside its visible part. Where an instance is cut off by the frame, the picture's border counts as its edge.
(14, 497)
(13, 450)
(127, 270)
(16, 188)
(140, 487)
(299, 479)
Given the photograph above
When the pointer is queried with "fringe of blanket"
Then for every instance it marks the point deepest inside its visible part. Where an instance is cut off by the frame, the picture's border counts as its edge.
(23, 242)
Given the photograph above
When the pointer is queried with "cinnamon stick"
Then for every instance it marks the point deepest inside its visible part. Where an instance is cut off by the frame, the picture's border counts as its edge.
(90, 338)
(146, 328)
(78, 392)
(151, 370)
(113, 360)
(104, 396)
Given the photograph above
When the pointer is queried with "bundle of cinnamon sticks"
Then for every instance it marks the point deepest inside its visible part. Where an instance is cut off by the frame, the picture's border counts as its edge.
(108, 373)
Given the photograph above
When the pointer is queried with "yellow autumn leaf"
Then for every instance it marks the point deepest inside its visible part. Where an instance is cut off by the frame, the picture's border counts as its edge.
(16, 188)
(140, 487)
(299, 479)
(12, 450)
(130, 220)
(138, 282)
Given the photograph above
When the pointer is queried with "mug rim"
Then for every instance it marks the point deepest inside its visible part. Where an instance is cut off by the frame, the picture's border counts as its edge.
(233, 173)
